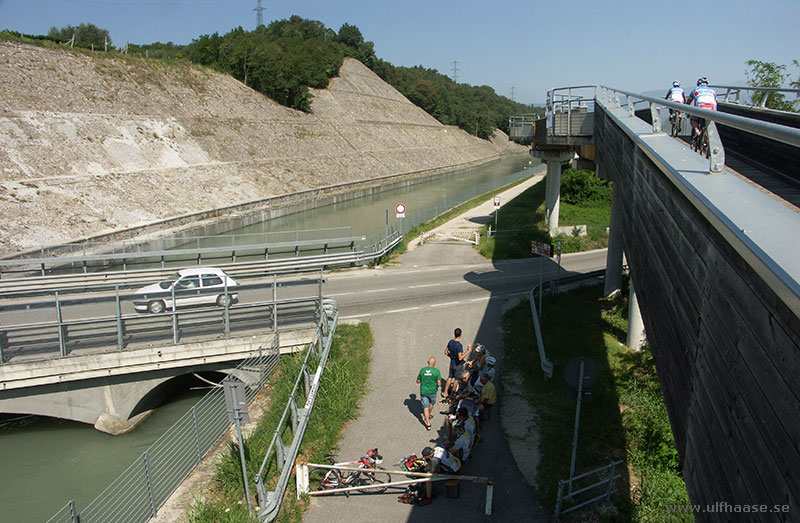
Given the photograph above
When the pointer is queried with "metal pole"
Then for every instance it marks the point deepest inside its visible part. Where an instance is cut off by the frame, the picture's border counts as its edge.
(577, 425)
(541, 289)
(120, 325)
(237, 417)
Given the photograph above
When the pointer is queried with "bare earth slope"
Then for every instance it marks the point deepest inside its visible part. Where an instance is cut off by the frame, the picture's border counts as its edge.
(90, 144)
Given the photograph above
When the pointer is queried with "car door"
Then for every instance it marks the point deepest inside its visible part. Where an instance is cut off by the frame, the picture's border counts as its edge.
(212, 283)
(187, 291)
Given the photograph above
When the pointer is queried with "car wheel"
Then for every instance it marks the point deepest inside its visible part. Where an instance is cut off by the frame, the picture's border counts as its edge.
(156, 307)
(224, 300)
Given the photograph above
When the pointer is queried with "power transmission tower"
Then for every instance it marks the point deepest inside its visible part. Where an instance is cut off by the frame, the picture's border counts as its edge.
(259, 14)
(455, 71)
(512, 93)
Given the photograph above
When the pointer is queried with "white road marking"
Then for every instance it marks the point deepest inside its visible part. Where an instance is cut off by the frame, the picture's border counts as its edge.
(342, 294)
(484, 298)
(446, 304)
(382, 290)
(425, 285)
(403, 310)
(355, 316)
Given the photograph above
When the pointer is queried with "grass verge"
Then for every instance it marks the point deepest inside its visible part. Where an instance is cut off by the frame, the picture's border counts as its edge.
(625, 419)
(340, 392)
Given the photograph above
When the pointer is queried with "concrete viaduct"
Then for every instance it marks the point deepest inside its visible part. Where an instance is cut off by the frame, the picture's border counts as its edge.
(715, 264)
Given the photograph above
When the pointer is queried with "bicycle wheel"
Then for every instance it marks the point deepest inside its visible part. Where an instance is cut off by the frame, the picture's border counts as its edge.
(323, 479)
(375, 481)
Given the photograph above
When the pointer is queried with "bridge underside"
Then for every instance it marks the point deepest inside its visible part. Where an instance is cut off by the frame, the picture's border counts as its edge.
(726, 341)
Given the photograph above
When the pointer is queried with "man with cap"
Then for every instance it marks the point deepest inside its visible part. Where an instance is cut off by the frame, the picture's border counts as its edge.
(490, 370)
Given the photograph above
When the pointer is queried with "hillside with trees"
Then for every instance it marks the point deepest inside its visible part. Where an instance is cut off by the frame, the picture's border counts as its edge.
(286, 58)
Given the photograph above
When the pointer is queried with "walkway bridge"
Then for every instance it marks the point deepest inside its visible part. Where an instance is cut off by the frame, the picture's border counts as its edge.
(715, 271)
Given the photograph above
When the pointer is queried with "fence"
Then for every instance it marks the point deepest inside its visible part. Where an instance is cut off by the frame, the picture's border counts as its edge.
(294, 418)
(607, 484)
(137, 493)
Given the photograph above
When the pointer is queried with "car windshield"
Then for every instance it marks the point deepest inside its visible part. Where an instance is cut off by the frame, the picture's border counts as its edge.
(166, 284)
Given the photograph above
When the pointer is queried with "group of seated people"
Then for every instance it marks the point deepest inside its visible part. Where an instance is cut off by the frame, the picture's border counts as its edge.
(469, 399)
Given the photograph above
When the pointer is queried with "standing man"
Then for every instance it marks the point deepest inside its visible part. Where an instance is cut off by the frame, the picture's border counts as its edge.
(455, 351)
(430, 381)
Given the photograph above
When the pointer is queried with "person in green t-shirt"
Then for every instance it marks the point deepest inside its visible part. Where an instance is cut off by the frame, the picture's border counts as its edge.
(430, 381)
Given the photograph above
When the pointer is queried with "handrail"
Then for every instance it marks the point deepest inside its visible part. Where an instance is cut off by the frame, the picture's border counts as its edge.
(754, 88)
(270, 502)
(547, 364)
(781, 133)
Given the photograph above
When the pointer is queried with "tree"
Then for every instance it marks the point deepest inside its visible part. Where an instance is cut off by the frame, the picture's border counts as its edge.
(768, 74)
(86, 35)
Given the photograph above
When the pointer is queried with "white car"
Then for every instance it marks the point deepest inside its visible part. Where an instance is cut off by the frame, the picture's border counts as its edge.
(195, 286)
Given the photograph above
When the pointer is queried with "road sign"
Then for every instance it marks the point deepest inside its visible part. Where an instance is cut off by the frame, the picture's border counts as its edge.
(400, 209)
(541, 248)
(496, 202)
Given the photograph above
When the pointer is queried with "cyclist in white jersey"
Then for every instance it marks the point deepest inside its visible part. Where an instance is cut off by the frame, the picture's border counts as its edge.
(441, 461)
(705, 98)
(676, 94)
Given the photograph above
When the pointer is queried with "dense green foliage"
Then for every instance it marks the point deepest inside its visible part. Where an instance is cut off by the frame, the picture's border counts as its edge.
(86, 35)
(285, 58)
(771, 74)
(477, 110)
(579, 186)
(626, 418)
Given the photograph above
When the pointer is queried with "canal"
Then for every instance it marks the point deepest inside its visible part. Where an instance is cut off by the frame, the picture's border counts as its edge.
(46, 462)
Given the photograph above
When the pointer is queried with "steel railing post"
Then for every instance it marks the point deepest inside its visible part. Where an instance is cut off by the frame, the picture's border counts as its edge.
(175, 336)
(631, 112)
(226, 314)
(120, 324)
(275, 303)
(610, 484)
(559, 498)
(62, 329)
(656, 118)
(715, 149)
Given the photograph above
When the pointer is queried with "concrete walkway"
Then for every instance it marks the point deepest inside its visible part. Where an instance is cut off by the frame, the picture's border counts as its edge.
(390, 414)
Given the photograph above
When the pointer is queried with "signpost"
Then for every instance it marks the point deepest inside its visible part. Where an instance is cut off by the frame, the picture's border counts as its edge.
(542, 249)
(496, 210)
(236, 405)
(580, 372)
(400, 209)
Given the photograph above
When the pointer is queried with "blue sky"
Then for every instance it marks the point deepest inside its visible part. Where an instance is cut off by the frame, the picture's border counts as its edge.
(528, 45)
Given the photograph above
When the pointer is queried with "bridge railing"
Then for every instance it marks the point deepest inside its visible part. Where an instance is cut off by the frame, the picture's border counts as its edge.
(61, 338)
(732, 93)
(780, 133)
(569, 111)
(147, 483)
(295, 419)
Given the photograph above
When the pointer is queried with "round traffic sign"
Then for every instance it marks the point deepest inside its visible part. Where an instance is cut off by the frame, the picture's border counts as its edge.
(400, 208)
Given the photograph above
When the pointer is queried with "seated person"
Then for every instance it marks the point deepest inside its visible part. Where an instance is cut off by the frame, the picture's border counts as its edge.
(490, 370)
(488, 397)
(460, 443)
(461, 418)
(478, 363)
(440, 461)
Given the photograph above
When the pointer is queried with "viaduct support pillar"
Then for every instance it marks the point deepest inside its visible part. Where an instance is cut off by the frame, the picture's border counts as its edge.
(553, 158)
(636, 334)
(614, 254)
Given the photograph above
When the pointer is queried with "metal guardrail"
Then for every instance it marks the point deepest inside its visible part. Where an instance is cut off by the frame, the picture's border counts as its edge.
(269, 502)
(136, 495)
(781, 133)
(735, 90)
(37, 285)
(606, 483)
(120, 332)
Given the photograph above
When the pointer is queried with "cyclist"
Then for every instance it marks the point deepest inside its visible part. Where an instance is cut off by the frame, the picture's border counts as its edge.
(675, 94)
(705, 98)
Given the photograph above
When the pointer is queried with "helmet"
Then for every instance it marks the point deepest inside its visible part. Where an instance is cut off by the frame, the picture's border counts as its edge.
(479, 348)
(491, 360)
(676, 83)
(702, 81)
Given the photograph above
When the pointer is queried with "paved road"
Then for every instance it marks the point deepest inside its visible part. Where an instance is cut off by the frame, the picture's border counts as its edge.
(412, 309)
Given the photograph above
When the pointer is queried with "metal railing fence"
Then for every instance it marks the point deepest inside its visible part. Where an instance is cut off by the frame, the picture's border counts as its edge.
(606, 483)
(137, 493)
(732, 92)
(60, 338)
(295, 419)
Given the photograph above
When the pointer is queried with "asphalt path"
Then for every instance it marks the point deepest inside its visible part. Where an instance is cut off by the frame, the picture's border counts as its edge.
(412, 308)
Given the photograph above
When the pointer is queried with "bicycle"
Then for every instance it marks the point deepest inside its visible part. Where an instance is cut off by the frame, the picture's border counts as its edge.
(332, 479)
(700, 140)
(675, 120)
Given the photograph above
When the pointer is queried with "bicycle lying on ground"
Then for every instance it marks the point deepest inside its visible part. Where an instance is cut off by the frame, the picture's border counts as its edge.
(331, 479)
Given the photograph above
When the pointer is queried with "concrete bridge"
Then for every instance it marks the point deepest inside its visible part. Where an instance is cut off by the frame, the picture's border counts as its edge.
(715, 264)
